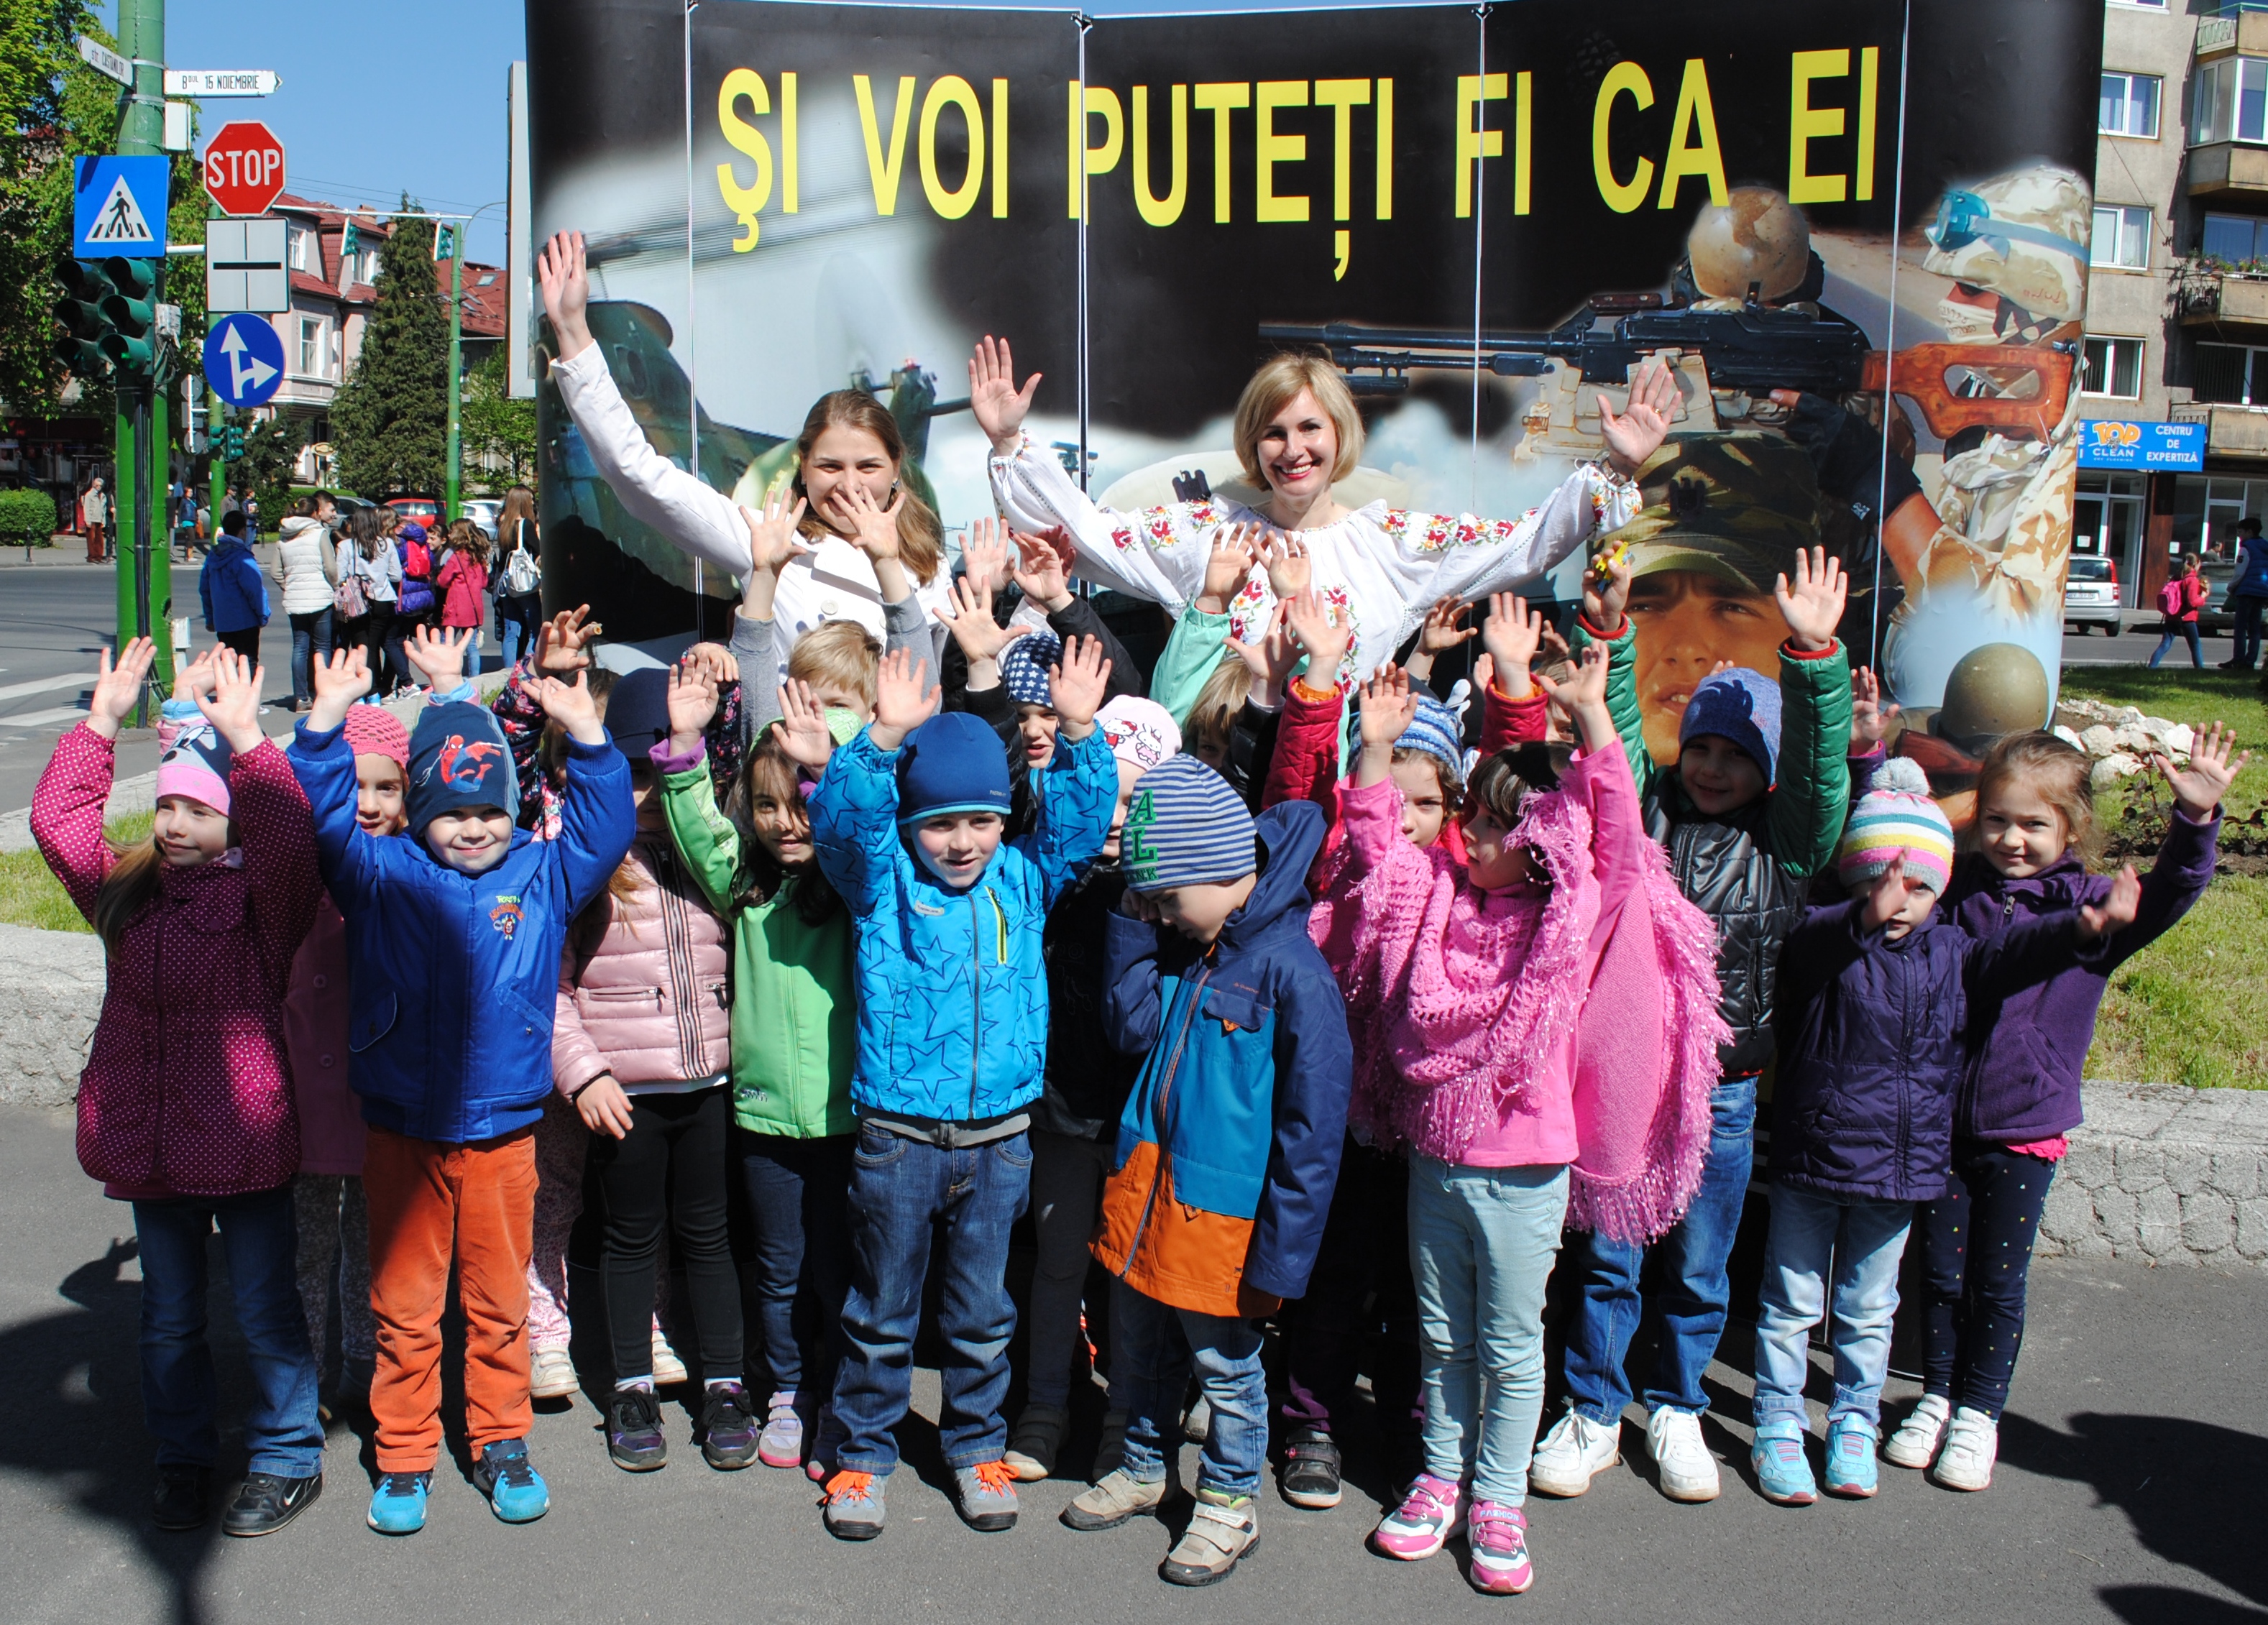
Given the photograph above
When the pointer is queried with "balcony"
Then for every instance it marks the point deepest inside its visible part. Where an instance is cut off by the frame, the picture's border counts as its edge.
(2230, 430)
(2207, 294)
(2242, 28)
(2230, 171)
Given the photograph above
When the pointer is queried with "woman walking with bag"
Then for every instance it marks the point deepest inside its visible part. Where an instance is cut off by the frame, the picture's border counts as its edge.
(519, 577)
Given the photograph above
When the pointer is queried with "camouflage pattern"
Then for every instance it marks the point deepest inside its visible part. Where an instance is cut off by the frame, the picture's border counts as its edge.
(1736, 506)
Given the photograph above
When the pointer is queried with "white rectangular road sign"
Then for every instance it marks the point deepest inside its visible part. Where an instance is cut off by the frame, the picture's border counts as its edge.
(244, 267)
(222, 81)
(106, 61)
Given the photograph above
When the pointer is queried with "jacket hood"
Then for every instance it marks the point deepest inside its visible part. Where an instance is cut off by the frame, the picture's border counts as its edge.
(1984, 877)
(297, 524)
(226, 543)
(1290, 834)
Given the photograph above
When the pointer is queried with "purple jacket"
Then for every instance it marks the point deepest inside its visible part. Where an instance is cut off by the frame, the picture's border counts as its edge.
(2021, 1083)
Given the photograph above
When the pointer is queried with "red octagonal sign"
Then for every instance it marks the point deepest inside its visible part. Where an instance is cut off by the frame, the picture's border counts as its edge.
(244, 167)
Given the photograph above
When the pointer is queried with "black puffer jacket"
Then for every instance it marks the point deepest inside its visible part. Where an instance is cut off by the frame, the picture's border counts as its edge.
(1087, 1081)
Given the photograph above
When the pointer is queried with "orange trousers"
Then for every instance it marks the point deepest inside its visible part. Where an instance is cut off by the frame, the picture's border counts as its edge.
(431, 1205)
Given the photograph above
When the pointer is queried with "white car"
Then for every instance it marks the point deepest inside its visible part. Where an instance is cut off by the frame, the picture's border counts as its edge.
(2090, 594)
(483, 511)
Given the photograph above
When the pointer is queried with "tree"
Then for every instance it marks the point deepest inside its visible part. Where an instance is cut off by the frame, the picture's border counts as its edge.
(390, 423)
(271, 453)
(497, 432)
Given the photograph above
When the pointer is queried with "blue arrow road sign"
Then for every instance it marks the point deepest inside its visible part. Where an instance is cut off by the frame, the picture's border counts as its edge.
(120, 208)
(244, 360)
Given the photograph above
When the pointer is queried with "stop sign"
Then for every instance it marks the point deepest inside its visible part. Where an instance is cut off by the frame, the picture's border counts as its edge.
(244, 167)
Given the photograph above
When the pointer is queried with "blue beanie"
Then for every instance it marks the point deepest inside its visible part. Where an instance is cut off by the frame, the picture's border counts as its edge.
(952, 763)
(637, 712)
(1024, 667)
(1740, 705)
(1438, 732)
(458, 758)
(1185, 827)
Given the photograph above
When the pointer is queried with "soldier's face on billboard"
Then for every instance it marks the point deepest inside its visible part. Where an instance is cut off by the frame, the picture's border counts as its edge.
(840, 457)
(1685, 622)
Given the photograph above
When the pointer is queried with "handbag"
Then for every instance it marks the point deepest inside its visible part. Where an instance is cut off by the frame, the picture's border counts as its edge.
(347, 598)
(521, 573)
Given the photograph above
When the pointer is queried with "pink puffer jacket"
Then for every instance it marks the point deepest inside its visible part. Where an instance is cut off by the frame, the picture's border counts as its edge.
(654, 1004)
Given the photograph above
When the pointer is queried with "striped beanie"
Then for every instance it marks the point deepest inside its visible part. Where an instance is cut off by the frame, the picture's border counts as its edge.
(1437, 731)
(1897, 815)
(1185, 827)
(1024, 666)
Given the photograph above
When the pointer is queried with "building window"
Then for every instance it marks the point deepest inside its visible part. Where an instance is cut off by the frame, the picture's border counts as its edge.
(311, 347)
(2238, 241)
(2114, 368)
(2122, 237)
(2231, 375)
(2206, 512)
(2130, 105)
(2232, 101)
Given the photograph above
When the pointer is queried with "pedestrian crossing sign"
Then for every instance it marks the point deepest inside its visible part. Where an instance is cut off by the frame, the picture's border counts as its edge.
(120, 208)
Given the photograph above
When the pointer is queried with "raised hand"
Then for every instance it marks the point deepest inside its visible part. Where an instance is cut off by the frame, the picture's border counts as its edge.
(1290, 570)
(1814, 606)
(117, 688)
(1870, 719)
(1308, 616)
(1510, 634)
(572, 708)
(980, 637)
(196, 678)
(2118, 909)
(439, 657)
(2198, 788)
(984, 558)
(1273, 659)
(1606, 592)
(692, 705)
(802, 736)
(1443, 629)
(1388, 708)
(1042, 568)
(1235, 549)
(774, 538)
(994, 400)
(562, 643)
(339, 682)
(1889, 895)
(566, 279)
(234, 706)
(1076, 686)
(1640, 432)
(719, 662)
(904, 699)
(873, 531)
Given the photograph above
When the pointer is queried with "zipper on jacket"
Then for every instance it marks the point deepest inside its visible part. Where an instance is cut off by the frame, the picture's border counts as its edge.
(677, 938)
(1159, 1114)
(977, 983)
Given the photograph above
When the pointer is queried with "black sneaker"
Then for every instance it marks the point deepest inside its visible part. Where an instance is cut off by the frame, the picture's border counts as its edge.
(1309, 1476)
(267, 1503)
(184, 1498)
(728, 1427)
(634, 1436)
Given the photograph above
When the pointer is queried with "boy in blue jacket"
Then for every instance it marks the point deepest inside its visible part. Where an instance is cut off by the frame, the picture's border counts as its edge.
(229, 591)
(953, 1024)
(1229, 1145)
(453, 938)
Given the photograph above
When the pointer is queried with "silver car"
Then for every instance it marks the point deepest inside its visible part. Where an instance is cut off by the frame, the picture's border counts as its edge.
(2090, 594)
(483, 511)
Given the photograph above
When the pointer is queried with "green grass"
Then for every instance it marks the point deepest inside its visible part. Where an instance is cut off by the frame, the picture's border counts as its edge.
(31, 895)
(2196, 698)
(2186, 1010)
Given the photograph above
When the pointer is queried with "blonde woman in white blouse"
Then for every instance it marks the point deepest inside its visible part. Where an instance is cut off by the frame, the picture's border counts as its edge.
(1297, 433)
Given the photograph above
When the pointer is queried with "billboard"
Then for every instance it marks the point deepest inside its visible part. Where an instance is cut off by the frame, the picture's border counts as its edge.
(1485, 221)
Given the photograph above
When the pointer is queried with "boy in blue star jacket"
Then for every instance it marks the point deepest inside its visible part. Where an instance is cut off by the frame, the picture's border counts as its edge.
(952, 1023)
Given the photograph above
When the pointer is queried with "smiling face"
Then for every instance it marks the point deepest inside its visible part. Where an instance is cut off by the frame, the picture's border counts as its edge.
(783, 828)
(2019, 830)
(1685, 622)
(188, 831)
(1298, 448)
(957, 847)
(381, 783)
(841, 457)
(471, 839)
(1717, 775)
(1035, 726)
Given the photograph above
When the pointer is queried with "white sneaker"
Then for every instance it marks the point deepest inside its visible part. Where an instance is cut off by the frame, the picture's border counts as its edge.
(1575, 1451)
(1915, 1443)
(1971, 1445)
(667, 1368)
(550, 1374)
(1689, 1472)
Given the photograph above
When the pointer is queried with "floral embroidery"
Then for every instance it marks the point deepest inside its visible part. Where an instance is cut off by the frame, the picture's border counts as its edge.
(1396, 522)
(1122, 536)
(1206, 514)
(1159, 522)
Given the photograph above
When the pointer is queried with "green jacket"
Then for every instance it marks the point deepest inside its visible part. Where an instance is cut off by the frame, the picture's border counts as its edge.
(1191, 657)
(795, 1010)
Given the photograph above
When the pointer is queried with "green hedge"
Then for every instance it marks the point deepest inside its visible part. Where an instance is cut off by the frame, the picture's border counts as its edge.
(26, 517)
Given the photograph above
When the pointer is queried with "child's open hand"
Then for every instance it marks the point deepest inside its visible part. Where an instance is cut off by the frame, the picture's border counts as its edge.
(1814, 606)
(1273, 657)
(1310, 617)
(1511, 635)
(234, 706)
(984, 558)
(562, 643)
(1889, 895)
(1638, 432)
(1444, 628)
(904, 698)
(692, 704)
(572, 708)
(439, 657)
(719, 662)
(117, 688)
(339, 681)
(2198, 788)
(802, 736)
(1235, 548)
(1388, 708)
(1042, 567)
(1585, 696)
(1077, 685)
(2118, 909)
(1870, 719)
(196, 678)
(1290, 570)
(981, 637)
(1604, 600)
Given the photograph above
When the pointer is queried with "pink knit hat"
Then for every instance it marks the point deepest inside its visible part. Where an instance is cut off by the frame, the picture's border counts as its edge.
(373, 731)
(193, 759)
(1140, 732)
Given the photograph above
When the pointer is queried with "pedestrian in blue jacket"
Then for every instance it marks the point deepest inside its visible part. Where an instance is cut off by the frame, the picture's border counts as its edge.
(952, 1023)
(1875, 997)
(234, 597)
(453, 939)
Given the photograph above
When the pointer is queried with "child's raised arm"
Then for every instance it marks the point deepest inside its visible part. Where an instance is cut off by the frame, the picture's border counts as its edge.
(323, 762)
(598, 817)
(1606, 599)
(1077, 793)
(68, 805)
(1812, 800)
(274, 822)
(854, 809)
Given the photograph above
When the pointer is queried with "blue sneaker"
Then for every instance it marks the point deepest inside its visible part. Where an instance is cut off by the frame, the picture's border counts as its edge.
(1850, 1444)
(510, 1481)
(1782, 1471)
(397, 1506)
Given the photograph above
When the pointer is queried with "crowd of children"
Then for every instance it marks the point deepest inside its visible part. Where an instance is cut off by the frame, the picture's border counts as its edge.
(816, 960)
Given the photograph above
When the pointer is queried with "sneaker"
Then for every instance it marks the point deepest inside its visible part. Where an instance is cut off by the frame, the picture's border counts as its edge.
(832, 1437)
(985, 1496)
(1110, 1450)
(728, 1426)
(1916, 1442)
(1972, 1443)
(1497, 1535)
(781, 1443)
(1576, 1450)
(1223, 1532)
(397, 1506)
(1197, 1422)
(1782, 1471)
(854, 1505)
(1309, 1476)
(515, 1489)
(1852, 1442)
(183, 1498)
(1689, 1472)
(552, 1375)
(635, 1441)
(1032, 1447)
(667, 1368)
(1115, 1498)
(1430, 1516)
(267, 1503)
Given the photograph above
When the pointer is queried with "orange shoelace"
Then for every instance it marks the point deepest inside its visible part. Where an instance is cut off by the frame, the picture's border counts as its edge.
(849, 1483)
(997, 1476)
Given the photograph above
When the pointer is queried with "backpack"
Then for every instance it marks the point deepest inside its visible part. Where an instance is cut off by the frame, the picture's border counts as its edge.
(522, 574)
(416, 578)
(2173, 599)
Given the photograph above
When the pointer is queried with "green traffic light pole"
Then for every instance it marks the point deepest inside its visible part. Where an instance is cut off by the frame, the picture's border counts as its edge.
(458, 224)
(145, 587)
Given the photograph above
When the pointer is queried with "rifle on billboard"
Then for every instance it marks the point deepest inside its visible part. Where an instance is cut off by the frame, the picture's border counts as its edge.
(1752, 348)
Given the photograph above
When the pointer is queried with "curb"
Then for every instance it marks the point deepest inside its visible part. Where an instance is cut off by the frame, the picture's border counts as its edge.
(2164, 1173)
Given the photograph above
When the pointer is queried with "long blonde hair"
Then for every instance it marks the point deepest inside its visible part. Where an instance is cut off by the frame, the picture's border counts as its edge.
(126, 891)
(921, 538)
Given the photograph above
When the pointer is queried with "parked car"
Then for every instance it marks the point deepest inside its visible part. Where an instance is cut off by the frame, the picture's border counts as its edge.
(483, 511)
(2217, 619)
(2090, 594)
(425, 510)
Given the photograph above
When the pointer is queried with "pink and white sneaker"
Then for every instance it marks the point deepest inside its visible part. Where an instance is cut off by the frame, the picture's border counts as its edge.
(1497, 1536)
(1431, 1515)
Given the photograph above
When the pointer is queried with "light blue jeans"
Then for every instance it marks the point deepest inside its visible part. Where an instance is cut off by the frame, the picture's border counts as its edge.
(1859, 1243)
(1481, 1243)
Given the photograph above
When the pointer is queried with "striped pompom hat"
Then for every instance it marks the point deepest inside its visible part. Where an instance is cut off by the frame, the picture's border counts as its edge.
(1897, 815)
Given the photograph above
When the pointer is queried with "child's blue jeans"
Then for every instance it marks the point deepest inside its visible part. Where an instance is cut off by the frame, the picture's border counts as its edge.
(284, 1433)
(900, 1188)
(1859, 1243)
(1152, 1345)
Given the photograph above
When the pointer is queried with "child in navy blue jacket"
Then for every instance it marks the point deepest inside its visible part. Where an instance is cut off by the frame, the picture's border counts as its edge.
(1874, 996)
(454, 937)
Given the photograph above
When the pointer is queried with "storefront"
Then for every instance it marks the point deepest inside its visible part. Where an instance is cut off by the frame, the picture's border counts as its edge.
(2138, 481)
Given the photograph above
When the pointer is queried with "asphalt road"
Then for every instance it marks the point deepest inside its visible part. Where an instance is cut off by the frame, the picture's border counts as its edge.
(2127, 1491)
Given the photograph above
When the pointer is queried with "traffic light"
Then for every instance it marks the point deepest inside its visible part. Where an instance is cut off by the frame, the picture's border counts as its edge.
(79, 312)
(231, 444)
(131, 315)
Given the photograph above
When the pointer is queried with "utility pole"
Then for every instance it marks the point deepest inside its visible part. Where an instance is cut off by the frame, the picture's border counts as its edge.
(145, 593)
(456, 364)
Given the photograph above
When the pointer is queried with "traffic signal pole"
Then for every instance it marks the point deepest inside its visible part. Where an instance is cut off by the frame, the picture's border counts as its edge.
(456, 365)
(144, 581)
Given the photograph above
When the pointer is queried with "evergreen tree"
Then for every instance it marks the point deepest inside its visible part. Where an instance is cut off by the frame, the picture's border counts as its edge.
(390, 423)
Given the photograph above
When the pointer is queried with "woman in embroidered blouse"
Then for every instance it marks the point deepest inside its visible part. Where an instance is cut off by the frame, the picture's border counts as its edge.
(1297, 432)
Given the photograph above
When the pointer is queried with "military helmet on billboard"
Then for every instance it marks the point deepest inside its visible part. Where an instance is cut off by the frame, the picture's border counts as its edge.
(2023, 235)
(1994, 689)
(1736, 506)
(1754, 238)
